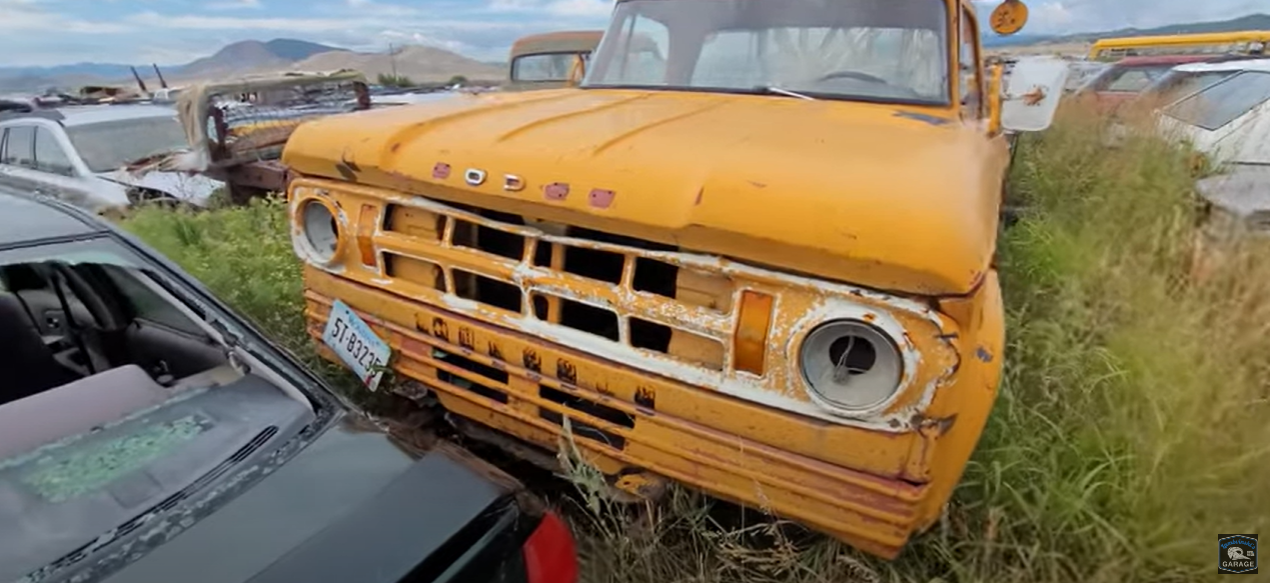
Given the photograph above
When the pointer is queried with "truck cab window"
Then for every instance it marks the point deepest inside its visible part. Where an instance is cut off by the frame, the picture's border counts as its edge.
(969, 81)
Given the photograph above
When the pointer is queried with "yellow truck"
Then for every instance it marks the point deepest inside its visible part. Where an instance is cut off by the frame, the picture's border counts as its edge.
(547, 61)
(757, 260)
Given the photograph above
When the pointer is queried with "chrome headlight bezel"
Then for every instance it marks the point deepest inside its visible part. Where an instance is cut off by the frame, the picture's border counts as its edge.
(885, 377)
(317, 232)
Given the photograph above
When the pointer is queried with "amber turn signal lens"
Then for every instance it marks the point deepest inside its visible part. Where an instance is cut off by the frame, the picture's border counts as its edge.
(366, 221)
(750, 342)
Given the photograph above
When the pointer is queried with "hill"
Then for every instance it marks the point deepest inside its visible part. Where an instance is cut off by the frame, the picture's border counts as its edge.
(419, 63)
(252, 55)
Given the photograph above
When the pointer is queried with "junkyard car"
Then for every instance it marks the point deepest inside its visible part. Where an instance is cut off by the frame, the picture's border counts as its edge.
(545, 61)
(1124, 80)
(1184, 80)
(81, 154)
(757, 260)
(149, 434)
(1225, 119)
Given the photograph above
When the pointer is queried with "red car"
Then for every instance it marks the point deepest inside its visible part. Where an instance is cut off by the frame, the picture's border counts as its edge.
(1126, 78)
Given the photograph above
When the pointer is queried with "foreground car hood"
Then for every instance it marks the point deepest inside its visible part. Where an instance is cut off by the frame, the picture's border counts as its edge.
(347, 476)
(878, 195)
(192, 188)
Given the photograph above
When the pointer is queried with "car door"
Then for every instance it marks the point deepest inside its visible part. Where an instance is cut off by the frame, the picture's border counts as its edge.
(35, 161)
(17, 152)
(58, 173)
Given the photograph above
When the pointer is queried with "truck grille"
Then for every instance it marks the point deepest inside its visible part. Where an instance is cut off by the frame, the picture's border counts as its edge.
(613, 288)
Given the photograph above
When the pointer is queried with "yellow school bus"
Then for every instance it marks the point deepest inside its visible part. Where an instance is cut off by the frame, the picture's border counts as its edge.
(1251, 42)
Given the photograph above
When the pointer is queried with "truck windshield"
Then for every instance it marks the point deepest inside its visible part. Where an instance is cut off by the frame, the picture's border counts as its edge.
(866, 50)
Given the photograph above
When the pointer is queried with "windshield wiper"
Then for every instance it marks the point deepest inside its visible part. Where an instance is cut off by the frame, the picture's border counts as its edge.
(786, 92)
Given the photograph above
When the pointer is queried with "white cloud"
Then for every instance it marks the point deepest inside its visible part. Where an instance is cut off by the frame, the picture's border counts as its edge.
(235, 5)
(195, 22)
(26, 16)
(592, 8)
(569, 8)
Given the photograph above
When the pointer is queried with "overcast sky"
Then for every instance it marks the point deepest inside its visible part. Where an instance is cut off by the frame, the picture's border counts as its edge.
(48, 32)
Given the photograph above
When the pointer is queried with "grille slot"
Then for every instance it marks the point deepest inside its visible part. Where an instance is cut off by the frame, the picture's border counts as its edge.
(582, 429)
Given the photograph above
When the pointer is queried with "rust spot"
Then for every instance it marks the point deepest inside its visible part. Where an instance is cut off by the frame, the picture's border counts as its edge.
(600, 198)
(556, 191)
(893, 423)
(531, 360)
(566, 371)
(983, 355)
(933, 426)
(1034, 97)
(440, 329)
(493, 350)
(645, 397)
(346, 171)
(411, 345)
(441, 171)
(922, 117)
(465, 337)
(870, 317)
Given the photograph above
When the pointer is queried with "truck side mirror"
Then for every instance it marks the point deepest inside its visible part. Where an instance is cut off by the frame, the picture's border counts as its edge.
(1030, 93)
(577, 71)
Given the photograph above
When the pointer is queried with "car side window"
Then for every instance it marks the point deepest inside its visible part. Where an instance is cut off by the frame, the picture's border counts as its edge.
(49, 155)
(19, 146)
(148, 305)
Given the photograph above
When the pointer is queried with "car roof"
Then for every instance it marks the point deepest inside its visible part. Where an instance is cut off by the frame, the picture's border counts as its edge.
(25, 219)
(76, 115)
(1262, 64)
(1161, 60)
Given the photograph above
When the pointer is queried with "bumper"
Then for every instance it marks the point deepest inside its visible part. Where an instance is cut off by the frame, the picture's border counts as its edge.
(624, 419)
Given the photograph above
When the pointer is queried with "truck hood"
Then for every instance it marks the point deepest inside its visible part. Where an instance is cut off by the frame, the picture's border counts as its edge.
(885, 196)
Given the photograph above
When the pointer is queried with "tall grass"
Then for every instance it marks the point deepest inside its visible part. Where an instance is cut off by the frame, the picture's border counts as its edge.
(1131, 430)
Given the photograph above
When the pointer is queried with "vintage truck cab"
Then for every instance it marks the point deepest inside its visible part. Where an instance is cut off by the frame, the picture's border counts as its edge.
(548, 60)
(757, 260)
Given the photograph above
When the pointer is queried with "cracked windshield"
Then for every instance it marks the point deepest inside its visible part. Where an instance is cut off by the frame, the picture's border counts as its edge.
(634, 291)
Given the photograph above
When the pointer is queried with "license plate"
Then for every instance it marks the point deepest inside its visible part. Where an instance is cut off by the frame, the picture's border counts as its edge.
(356, 344)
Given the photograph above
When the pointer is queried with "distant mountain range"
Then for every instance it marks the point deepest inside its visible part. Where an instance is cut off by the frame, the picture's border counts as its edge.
(236, 57)
(424, 64)
(421, 64)
(1250, 22)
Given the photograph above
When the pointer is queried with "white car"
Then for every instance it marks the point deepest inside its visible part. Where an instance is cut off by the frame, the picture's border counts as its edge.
(1229, 121)
(81, 154)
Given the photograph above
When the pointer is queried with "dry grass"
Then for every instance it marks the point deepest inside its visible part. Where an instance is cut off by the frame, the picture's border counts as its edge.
(1131, 428)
